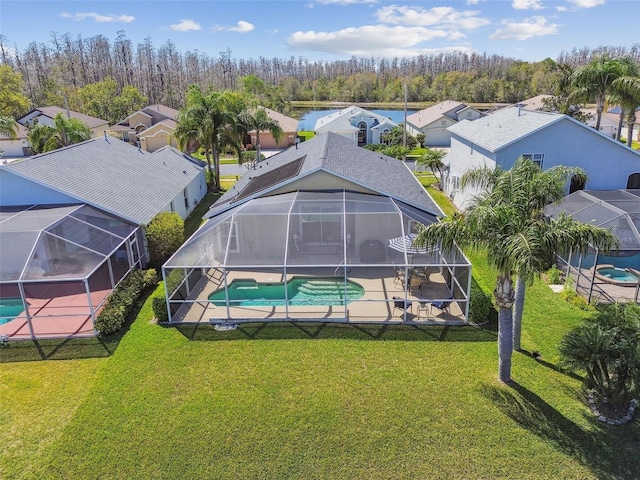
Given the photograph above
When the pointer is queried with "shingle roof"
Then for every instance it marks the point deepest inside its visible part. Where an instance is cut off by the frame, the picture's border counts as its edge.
(113, 175)
(51, 112)
(504, 127)
(431, 114)
(341, 157)
(287, 124)
(340, 121)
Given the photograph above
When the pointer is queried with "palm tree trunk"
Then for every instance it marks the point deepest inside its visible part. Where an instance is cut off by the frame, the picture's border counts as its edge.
(599, 110)
(504, 298)
(216, 165)
(631, 119)
(518, 307)
(620, 121)
(257, 146)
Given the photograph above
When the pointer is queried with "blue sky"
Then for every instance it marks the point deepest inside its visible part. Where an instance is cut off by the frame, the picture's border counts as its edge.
(335, 29)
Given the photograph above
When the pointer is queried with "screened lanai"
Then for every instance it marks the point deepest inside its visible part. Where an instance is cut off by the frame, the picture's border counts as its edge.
(319, 256)
(58, 264)
(605, 276)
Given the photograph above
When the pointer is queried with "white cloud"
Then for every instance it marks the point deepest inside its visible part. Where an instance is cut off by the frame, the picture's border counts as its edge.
(446, 17)
(560, 8)
(185, 25)
(527, 4)
(99, 18)
(473, 2)
(527, 28)
(586, 3)
(377, 40)
(242, 27)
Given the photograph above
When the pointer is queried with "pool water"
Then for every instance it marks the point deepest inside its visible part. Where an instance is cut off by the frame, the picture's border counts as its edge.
(618, 275)
(10, 308)
(300, 291)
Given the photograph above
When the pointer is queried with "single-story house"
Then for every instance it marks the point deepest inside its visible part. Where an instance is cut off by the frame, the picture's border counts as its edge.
(153, 126)
(434, 121)
(319, 232)
(15, 147)
(72, 226)
(357, 124)
(289, 128)
(46, 115)
(548, 139)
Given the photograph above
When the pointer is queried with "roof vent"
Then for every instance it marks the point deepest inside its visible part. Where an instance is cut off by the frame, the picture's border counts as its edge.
(184, 171)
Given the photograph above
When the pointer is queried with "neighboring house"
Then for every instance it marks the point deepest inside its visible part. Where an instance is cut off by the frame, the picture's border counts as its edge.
(46, 115)
(547, 138)
(608, 121)
(289, 128)
(356, 124)
(434, 121)
(153, 126)
(15, 147)
(614, 113)
(333, 221)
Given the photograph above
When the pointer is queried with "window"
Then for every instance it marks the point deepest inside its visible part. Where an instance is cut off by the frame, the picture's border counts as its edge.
(443, 122)
(185, 194)
(172, 206)
(384, 136)
(633, 181)
(536, 158)
(469, 114)
(362, 134)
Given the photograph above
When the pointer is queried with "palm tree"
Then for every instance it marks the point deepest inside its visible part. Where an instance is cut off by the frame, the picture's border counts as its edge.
(432, 159)
(202, 121)
(8, 127)
(259, 120)
(626, 93)
(592, 82)
(64, 132)
(515, 243)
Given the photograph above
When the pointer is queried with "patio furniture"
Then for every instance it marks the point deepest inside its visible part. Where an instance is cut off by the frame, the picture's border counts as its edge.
(400, 276)
(402, 304)
(423, 308)
(442, 305)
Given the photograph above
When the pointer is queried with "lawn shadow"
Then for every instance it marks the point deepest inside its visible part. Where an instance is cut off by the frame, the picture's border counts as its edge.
(609, 452)
(329, 330)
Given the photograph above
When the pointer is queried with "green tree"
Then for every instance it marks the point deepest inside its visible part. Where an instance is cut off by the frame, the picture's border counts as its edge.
(258, 120)
(530, 189)
(203, 121)
(13, 102)
(8, 127)
(102, 100)
(165, 234)
(592, 82)
(433, 161)
(514, 242)
(64, 132)
(626, 93)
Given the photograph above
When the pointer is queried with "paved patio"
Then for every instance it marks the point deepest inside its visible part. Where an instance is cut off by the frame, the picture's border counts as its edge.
(376, 305)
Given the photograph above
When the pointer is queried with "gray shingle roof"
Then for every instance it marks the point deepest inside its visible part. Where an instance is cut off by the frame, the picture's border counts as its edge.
(504, 127)
(341, 157)
(429, 115)
(51, 112)
(340, 121)
(113, 175)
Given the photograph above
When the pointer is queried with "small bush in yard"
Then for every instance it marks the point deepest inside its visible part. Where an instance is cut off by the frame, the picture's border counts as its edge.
(119, 305)
(165, 234)
(159, 305)
(480, 305)
(554, 275)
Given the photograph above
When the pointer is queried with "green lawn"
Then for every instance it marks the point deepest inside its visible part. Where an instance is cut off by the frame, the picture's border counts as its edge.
(306, 401)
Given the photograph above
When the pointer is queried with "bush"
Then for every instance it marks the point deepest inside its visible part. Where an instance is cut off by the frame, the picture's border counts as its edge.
(554, 275)
(250, 156)
(480, 305)
(420, 137)
(165, 234)
(124, 297)
(159, 305)
(576, 300)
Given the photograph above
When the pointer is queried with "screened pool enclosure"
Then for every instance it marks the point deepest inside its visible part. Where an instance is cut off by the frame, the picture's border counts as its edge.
(318, 256)
(58, 264)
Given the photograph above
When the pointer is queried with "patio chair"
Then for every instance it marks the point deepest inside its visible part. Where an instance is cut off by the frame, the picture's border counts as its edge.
(442, 305)
(399, 278)
(402, 304)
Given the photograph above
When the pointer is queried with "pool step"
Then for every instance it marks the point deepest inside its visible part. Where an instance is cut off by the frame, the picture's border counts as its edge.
(324, 287)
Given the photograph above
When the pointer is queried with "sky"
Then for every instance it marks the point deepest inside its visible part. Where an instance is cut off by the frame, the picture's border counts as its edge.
(530, 30)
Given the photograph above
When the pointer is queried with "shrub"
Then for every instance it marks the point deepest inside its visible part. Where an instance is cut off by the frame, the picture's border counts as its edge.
(480, 305)
(159, 305)
(420, 137)
(165, 234)
(250, 156)
(576, 300)
(124, 297)
(554, 275)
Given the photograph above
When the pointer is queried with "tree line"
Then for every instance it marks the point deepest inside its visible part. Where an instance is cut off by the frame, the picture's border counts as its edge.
(54, 72)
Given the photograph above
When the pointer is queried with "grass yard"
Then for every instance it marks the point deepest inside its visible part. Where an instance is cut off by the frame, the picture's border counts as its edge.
(306, 401)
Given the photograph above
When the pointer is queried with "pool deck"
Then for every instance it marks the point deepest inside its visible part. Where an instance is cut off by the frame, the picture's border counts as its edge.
(377, 306)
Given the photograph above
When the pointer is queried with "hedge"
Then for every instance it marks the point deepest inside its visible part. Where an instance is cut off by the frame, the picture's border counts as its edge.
(480, 305)
(124, 297)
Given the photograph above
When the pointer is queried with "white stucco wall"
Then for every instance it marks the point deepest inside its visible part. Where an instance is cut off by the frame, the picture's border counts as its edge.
(196, 189)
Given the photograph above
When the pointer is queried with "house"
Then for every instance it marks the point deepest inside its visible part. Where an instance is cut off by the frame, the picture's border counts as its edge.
(289, 128)
(72, 226)
(533, 103)
(548, 139)
(46, 115)
(434, 121)
(15, 147)
(153, 126)
(608, 121)
(319, 232)
(109, 175)
(357, 124)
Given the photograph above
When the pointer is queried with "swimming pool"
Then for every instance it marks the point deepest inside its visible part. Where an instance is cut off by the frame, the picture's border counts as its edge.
(300, 291)
(10, 308)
